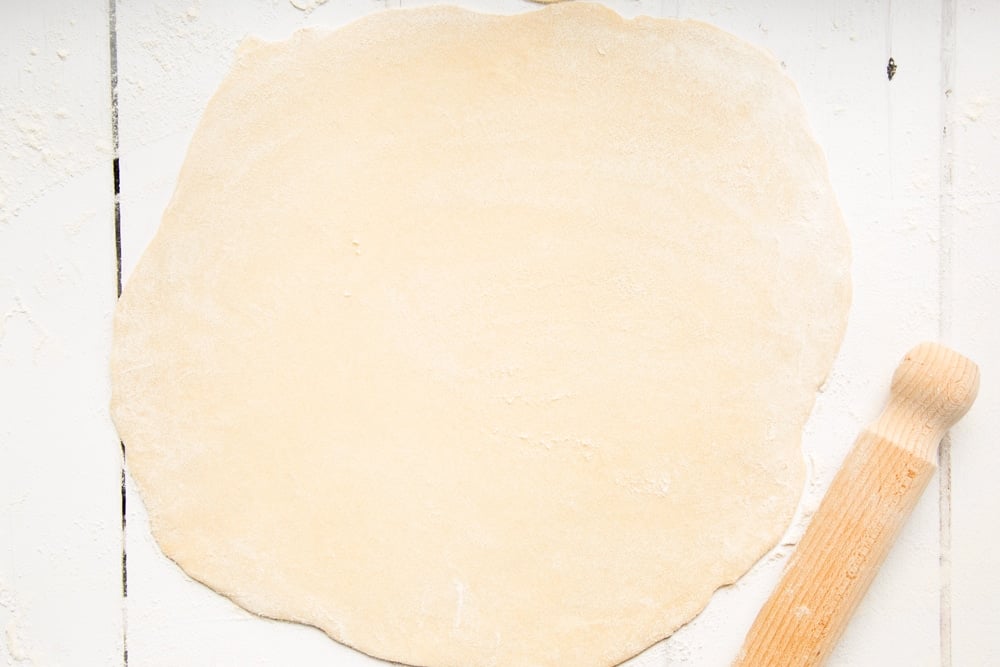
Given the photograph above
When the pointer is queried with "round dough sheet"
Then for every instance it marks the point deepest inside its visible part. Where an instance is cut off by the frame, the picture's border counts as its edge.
(484, 340)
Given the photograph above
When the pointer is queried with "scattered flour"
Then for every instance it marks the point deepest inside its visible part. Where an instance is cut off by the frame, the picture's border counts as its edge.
(975, 108)
(49, 121)
(14, 649)
(306, 5)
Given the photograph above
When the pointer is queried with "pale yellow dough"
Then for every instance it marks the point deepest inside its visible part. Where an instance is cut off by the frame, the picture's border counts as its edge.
(478, 340)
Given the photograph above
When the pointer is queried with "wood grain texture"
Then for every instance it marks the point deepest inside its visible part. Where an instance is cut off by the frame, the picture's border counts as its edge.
(871, 497)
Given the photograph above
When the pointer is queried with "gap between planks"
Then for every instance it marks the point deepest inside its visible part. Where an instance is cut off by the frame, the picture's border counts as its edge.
(116, 174)
(946, 228)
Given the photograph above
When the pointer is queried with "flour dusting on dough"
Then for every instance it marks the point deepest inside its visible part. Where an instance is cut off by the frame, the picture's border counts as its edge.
(559, 396)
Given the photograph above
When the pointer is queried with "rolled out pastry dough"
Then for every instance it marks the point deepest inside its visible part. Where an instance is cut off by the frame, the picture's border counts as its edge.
(484, 340)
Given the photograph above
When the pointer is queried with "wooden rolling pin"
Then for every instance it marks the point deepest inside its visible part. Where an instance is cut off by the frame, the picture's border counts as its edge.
(862, 512)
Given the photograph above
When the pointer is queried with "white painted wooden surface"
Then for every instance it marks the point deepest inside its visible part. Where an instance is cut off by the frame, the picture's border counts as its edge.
(60, 463)
(971, 298)
(923, 207)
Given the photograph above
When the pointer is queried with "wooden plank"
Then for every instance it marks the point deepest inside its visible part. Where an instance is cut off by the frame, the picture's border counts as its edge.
(971, 244)
(60, 463)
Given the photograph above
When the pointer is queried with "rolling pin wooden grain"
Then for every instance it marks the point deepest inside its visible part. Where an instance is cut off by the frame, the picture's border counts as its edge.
(861, 514)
